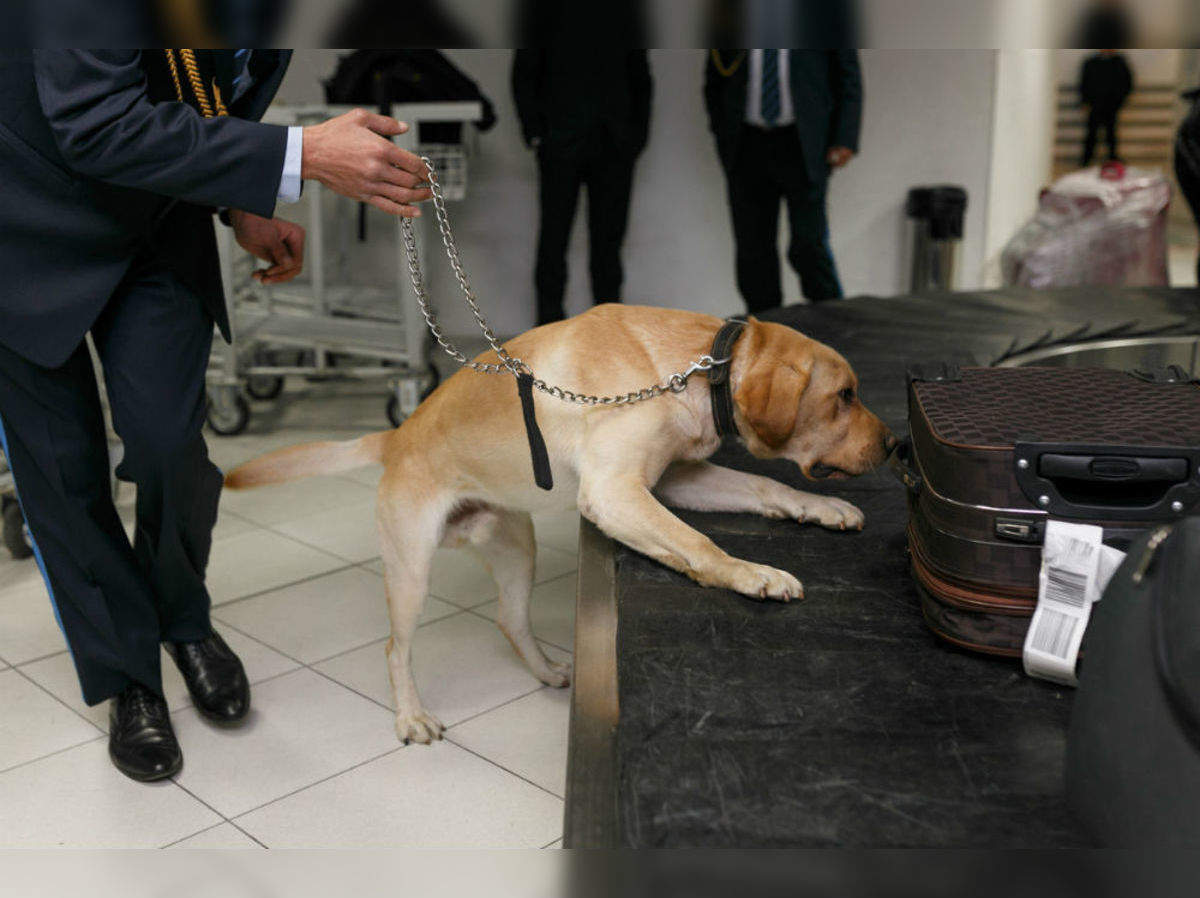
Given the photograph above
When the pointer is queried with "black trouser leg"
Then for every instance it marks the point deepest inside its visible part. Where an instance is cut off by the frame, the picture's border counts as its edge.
(154, 340)
(55, 443)
(609, 181)
(1187, 173)
(1089, 139)
(1110, 128)
(559, 183)
(808, 246)
(754, 206)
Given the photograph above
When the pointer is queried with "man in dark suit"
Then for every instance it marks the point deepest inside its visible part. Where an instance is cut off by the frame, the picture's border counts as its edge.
(782, 119)
(1105, 83)
(585, 109)
(114, 162)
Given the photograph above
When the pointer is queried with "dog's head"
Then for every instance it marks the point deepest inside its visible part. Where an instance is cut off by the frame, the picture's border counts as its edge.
(798, 399)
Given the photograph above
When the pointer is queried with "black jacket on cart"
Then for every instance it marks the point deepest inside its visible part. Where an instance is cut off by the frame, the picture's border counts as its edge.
(83, 136)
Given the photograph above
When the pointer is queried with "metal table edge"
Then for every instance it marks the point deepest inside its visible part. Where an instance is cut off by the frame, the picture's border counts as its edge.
(590, 818)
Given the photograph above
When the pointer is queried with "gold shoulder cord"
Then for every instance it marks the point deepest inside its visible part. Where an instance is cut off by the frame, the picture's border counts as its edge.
(209, 106)
(721, 67)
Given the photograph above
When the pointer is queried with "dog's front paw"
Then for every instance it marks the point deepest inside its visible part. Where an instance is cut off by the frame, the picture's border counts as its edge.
(420, 727)
(764, 582)
(833, 513)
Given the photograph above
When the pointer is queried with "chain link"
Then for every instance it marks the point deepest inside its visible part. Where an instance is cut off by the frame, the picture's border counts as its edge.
(676, 383)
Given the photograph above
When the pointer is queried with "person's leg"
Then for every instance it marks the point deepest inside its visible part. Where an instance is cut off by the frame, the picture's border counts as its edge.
(558, 190)
(1110, 126)
(1089, 139)
(808, 246)
(609, 180)
(154, 340)
(754, 207)
(52, 431)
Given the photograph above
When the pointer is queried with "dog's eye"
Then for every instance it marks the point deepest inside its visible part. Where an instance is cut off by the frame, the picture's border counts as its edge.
(847, 395)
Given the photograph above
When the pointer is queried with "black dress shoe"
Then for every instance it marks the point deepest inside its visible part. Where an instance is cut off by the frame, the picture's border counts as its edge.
(141, 742)
(214, 676)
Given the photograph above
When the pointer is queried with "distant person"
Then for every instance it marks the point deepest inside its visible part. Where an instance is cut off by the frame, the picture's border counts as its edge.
(1105, 83)
(783, 119)
(585, 111)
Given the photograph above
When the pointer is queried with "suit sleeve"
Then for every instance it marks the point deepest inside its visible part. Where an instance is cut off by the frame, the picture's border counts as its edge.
(847, 100)
(526, 86)
(1126, 86)
(107, 128)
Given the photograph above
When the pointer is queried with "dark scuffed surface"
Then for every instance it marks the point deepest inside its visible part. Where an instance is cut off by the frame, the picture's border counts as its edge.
(840, 720)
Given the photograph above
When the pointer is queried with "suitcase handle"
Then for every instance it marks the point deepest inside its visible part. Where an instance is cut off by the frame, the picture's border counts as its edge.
(1108, 482)
(900, 462)
(1112, 468)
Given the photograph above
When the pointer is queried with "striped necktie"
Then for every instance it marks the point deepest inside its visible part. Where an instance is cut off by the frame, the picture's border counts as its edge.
(770, 86)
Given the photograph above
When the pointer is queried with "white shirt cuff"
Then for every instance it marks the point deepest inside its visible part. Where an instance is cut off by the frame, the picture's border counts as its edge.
(290, 183)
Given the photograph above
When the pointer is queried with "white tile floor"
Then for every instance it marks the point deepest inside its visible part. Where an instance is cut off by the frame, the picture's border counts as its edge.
(298, 592)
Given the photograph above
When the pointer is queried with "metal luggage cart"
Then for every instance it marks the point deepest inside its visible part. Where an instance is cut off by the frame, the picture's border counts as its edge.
(12, 522)
(328, 326)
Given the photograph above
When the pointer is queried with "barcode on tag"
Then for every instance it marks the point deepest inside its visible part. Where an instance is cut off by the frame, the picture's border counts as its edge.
(1068, 587)
(1053, 634)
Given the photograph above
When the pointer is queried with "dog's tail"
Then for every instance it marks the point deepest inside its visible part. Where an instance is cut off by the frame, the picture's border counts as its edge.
(307, 460)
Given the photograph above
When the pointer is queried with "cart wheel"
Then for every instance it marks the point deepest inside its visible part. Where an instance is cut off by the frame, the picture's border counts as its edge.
(431, 380)
(393, 411)
(229, 414)
(264, 386)
(14, 531)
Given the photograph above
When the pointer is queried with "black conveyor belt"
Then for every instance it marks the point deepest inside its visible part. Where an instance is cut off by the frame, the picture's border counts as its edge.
(840, 720)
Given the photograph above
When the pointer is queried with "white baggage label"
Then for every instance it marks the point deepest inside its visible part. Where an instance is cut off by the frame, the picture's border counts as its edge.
(1076, 567)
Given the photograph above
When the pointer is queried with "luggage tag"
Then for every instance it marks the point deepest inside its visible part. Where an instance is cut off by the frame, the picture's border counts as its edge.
(1076, 566)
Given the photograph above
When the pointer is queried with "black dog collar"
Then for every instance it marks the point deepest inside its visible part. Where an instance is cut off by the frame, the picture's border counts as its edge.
(718, 376)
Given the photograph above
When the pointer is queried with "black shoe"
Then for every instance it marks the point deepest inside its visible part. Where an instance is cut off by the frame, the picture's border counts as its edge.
(214, 676)
(141, 742)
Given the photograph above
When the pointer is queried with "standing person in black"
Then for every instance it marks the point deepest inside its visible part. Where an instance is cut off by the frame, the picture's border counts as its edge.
(782, 120)
(585, 109)
(113, 163)
(1105, 82)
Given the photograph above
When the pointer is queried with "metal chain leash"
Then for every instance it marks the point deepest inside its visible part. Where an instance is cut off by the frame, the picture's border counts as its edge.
(676, 383)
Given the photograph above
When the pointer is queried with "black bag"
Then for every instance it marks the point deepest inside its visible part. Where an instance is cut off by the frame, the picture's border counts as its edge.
(1133, 749)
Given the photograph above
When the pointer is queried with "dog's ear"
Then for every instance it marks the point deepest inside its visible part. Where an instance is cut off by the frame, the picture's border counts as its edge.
(769, 397)
(777, 373)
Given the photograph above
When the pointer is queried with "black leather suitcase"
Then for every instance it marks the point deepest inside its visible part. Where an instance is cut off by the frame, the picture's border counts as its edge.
(996, 452)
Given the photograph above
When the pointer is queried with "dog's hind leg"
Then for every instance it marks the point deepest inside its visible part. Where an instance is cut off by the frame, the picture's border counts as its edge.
(504, 540)
(410, 528)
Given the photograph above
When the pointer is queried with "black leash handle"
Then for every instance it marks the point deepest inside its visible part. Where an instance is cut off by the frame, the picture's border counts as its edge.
(537, 445)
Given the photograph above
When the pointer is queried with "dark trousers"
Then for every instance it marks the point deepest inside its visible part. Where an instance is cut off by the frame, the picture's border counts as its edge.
(116, 601)
(769, 168)
(1099, 119)
(1187, 169)
(608, 176)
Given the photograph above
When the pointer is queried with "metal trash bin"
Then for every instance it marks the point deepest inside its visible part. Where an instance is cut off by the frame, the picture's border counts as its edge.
(937, 213)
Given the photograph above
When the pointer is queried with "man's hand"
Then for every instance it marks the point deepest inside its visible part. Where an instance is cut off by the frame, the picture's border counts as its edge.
(273, 240)
(351, 155)
(839, 156)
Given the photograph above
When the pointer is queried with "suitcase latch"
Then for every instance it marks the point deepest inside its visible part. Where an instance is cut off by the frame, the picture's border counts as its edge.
(1019, 530)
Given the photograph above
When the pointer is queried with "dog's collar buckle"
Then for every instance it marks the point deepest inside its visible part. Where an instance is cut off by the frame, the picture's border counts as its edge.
(718, 375)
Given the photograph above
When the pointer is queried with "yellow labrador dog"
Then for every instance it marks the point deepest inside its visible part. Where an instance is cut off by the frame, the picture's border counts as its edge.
(458, 471)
